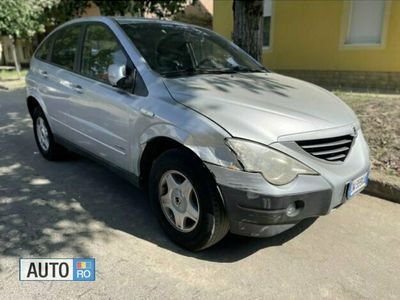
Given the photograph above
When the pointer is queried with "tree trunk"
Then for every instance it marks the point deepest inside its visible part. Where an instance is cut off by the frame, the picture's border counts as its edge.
(1, 54)
(14, 54)
(248, 26)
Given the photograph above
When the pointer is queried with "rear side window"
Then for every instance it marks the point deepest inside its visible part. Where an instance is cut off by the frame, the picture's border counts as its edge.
(44, 50)
(100, 50)
(65, 47)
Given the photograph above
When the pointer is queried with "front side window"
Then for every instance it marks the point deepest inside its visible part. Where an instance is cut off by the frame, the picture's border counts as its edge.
(366, 22)
(65, 47)
(179, 50)
(100, 50)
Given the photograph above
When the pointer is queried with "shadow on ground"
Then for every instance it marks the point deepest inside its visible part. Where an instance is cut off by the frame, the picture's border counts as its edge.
(48, 207)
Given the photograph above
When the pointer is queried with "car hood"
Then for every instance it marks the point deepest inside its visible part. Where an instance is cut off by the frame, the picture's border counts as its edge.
(261, 106)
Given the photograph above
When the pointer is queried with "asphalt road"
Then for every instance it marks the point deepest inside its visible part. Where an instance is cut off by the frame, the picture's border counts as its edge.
(79, 209)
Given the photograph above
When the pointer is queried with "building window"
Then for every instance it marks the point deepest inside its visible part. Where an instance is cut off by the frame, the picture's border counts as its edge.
(366, 22)
(267, 22)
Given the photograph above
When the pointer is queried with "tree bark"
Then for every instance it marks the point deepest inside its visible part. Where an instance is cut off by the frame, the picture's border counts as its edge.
(1, 54)
(14, 54)
(248, 26)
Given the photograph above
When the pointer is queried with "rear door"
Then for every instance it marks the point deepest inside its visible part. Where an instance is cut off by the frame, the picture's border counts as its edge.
(57, 75)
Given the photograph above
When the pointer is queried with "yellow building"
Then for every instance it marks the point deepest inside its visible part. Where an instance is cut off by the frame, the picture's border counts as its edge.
(335, 42)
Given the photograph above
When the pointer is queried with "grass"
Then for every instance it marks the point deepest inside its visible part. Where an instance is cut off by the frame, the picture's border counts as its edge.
(379, 115)
(12, 74)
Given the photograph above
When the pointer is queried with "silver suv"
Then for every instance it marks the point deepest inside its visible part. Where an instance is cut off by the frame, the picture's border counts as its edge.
(220, 143)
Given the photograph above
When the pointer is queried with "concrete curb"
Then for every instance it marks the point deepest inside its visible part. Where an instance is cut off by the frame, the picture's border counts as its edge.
(11, 85)
(384, 186)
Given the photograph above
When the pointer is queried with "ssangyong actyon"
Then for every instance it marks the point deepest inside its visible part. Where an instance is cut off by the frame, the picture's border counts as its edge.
(219, 142)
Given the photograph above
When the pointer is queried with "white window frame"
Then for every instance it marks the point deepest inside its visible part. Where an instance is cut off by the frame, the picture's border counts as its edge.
(346, 26)
(271, 28)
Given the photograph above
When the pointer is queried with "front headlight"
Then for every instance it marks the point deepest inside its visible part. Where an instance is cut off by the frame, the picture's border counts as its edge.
(276, 167)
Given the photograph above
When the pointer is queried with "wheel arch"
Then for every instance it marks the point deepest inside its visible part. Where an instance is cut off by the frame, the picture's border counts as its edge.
(32, 103)
(153, 148)
(34, 100)
(208, 147)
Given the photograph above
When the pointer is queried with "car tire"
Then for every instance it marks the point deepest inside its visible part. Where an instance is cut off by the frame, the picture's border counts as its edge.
(173, 172)
(45, 139)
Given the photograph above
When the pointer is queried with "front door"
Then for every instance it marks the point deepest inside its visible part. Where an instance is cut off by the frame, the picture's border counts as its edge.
(101, 113)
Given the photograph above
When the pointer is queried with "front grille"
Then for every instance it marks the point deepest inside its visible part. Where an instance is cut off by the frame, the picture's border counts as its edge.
(329, 149)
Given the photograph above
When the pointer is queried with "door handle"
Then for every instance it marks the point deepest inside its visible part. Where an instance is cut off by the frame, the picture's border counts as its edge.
(43, 73)
(147, 112)
(77, 88)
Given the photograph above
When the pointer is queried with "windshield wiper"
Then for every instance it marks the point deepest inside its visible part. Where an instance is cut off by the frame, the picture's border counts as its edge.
(188, 71)
(240, 69)
(194, 71)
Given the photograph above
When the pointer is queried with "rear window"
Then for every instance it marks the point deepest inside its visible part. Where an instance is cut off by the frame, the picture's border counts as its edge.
(65, 47)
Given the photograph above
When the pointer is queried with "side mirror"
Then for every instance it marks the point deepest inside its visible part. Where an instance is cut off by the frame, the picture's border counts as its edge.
(116, 73)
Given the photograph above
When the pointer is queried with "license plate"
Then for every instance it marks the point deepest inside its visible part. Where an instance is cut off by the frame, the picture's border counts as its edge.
(357, 185)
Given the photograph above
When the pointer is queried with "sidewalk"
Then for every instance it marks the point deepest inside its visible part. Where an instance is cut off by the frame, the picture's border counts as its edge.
(12, 84)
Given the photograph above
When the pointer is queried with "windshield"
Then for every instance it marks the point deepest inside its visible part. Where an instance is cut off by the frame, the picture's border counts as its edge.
(179, 50)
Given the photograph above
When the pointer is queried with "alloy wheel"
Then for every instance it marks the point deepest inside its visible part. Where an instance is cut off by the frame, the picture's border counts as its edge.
(42, 134)
(179, 201)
